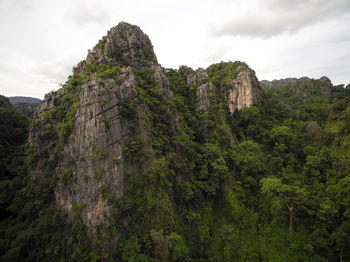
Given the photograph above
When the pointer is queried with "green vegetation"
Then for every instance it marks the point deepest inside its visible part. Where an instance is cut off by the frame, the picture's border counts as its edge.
(108, 72)
(104, 101)
(103, 153)
(85, 176)
(98, 174)
(13, 135)
(66, 176)
(259, 185)
(106, 122)
(33, 227)
(222, 74)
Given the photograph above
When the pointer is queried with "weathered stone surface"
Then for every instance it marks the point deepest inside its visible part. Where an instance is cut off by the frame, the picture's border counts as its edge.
(126, 42)
(94, 146)
(204, 88)
(161, 79)
(244, 92)
(93, 153)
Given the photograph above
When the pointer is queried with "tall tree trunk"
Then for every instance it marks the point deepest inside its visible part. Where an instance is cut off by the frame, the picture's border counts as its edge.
(290, 208)
(291, 219)
(341, 255)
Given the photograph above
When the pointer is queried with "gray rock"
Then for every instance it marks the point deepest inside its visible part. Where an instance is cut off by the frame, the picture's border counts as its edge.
(204, 88)
(244, 91)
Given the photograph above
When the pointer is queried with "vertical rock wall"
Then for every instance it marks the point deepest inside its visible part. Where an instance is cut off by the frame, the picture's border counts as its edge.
(244, 92)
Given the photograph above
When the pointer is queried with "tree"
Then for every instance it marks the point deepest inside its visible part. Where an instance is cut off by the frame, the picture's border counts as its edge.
(289, 194)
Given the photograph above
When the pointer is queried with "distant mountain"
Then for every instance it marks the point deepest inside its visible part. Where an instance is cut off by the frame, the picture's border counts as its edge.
(27, 109)
(23, 99)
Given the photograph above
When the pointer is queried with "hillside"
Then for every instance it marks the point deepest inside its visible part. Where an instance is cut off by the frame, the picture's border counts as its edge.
(13, 135)
(130, 161)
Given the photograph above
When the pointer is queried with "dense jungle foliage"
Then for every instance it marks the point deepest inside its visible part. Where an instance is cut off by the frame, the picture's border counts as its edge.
(269, 183)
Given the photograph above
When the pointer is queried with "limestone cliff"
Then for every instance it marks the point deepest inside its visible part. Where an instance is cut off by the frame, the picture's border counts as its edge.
(92, 163)
(204, 87)
(244, 92)
(97, 128)
(236, 82)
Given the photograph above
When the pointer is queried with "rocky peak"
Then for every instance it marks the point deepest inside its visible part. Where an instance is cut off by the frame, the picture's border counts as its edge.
(93, 118)
(126, 44)
(325, 79)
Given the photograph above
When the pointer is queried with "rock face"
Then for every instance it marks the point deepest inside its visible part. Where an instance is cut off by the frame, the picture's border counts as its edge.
(96, 143)
(236, 82)
(245, 91)
(92, 157)
(83, 128)
(204, 88)
(125, 42)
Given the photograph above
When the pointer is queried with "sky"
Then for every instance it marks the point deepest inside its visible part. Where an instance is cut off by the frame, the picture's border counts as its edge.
(42, 40)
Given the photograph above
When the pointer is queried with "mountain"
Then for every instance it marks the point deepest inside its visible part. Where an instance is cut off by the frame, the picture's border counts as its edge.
(130, 161)
(114, 112)
(23, 99)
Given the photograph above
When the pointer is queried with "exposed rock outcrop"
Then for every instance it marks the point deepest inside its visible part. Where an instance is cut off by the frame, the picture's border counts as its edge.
(245, 91)
(204, 87)
(236, 82)
(92, 157)
(126, 43)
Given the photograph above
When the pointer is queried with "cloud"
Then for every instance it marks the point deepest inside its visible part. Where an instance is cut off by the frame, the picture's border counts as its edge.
(57, 71)
(271, 17)
(214, 52)
(82, 14)
(14, 5)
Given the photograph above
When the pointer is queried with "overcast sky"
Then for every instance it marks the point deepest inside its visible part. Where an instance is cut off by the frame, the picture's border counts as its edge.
(42, 40)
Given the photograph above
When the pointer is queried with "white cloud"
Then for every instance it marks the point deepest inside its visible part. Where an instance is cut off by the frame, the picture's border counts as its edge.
(57, 70)
(82, 13)
(16, 78)
(16, 5)
(271, 17)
